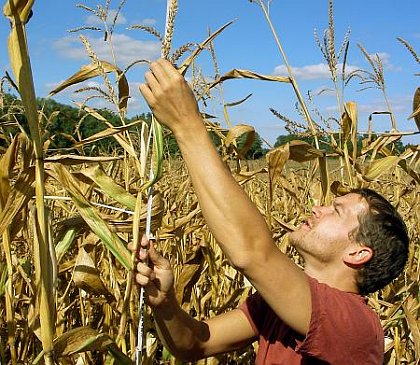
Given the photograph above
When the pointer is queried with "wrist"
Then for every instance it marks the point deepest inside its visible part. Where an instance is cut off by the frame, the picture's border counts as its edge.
(189, 129)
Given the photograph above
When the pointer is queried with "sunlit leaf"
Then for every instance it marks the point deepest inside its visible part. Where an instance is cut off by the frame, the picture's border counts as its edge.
(92, 70)
(380, 166)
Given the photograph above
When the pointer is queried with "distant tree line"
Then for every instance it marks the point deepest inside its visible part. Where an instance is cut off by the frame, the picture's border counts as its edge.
(64, 125)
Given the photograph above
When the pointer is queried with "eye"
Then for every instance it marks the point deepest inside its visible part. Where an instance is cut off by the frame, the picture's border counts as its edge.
(336, 210)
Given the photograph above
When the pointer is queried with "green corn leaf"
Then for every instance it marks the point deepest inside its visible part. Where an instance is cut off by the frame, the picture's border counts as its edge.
(157, 153)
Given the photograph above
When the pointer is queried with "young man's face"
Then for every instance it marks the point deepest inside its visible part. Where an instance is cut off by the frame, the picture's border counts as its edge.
(327, 233)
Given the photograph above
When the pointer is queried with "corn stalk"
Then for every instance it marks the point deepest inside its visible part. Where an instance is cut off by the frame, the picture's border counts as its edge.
(19, 12)
(321, 160)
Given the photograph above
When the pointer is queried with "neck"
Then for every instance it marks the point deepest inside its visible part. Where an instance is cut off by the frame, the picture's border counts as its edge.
(337, 276)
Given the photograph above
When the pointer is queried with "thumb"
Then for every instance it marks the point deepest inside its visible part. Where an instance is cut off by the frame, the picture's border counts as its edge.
(156, 258)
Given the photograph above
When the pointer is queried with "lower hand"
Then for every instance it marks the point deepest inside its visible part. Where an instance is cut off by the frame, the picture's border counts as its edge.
(156, 277)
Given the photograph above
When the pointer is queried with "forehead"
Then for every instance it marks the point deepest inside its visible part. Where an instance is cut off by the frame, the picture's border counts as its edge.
(353, 203)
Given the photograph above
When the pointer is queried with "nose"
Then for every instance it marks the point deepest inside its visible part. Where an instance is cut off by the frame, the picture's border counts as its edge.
(318, 210)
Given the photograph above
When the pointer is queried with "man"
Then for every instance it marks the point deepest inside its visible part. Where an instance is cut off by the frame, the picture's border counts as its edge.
(315, 316)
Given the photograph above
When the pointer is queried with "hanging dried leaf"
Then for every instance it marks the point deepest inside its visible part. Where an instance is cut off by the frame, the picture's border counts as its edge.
(276, 159)
(301, 151)
(86, 275)
(238, 131)
(7, 162)
(93, 70)
(110, 131)
(349, 119)
(21, 193)
(416, 108)
(379, 143)
(338, 189)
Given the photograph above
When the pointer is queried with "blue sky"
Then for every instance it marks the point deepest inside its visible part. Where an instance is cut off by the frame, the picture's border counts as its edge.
(246, 44)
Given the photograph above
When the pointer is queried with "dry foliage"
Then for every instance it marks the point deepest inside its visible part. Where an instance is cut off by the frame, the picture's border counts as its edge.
(75, 251)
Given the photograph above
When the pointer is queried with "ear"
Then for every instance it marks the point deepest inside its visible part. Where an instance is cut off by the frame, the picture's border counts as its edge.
(357, 256)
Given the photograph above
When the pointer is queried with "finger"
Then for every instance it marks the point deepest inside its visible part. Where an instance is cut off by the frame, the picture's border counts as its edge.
(159, 69)
(144, 243)
(145, 270)
(156, 259)
(152, 81)
(143, 280)
(147, 94)
(131, 246)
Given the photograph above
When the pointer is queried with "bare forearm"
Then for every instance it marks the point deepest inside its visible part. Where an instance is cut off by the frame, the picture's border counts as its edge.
(180, 333)
(234, 220)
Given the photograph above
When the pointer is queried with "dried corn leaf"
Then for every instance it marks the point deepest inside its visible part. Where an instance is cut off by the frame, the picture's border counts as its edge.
(91, 216)
(109, 186)
(246, 74)
(276, 159)
(302, 152)
(184, 67)
(86, 276)
(325, 180)
(238, 131)
(379, 144)
(75, 159)
(416, 108)
(235, 103)
(91, 112)
(411, 311)
(187, 278)
(21, 193)
(92, 70)
(84, 339)
(380, 166)
(7, 163)
(106, 133)
(349, 119)
(339, 189)
(170, 226)
(18, 12)
(21, 9)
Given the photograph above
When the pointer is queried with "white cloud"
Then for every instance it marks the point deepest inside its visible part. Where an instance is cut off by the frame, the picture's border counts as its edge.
(323, 91)
(386, 61)
(94, 20)
(319, 71)
(126, 49)
(399, 104)
(148, 21)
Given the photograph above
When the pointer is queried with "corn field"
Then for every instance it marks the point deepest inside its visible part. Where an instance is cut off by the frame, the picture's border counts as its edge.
(66, 288)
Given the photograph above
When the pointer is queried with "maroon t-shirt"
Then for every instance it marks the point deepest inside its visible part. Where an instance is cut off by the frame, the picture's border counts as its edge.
(343, 331)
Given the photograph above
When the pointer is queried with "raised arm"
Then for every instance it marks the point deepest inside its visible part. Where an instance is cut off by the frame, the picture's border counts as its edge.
(236, 223)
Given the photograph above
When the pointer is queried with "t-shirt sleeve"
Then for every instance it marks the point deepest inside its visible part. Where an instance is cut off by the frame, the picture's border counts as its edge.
(341, 323)
(253, 308)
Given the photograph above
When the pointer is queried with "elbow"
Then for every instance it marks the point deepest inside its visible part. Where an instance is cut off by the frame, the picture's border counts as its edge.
(241, 262)
(247, 259)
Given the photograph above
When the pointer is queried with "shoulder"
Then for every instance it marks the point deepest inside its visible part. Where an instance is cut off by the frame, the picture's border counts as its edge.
(342, 322)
